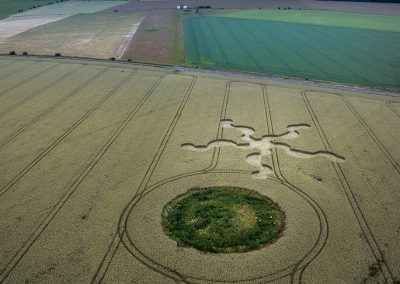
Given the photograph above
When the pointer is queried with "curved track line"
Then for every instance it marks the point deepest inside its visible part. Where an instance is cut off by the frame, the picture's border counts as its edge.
(324, 227)
(379, 257)
(105, 263)
(72, 188)
(167, 272)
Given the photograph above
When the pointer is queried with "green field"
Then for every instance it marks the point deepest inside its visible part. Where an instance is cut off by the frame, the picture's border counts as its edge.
(318, 52)
(9, 7)
(317, 17)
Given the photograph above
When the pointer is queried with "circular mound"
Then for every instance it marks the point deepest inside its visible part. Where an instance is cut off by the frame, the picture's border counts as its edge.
(223, 219)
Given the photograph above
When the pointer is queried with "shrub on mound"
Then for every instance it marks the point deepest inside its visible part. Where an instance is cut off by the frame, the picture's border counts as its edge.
(223, 219)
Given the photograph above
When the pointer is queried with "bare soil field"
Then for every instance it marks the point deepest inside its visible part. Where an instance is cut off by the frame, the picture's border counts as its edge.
(98, 35)
(159, 39)
(92, 151)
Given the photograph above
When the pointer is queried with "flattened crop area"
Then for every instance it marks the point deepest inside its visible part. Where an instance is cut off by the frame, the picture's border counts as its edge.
(91, 152)
(319, 52)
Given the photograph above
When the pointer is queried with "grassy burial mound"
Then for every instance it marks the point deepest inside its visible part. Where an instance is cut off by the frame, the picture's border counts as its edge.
(287, 46)
(223, 219)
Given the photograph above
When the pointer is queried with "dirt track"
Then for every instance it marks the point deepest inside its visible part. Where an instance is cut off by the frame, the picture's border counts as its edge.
(91, 151)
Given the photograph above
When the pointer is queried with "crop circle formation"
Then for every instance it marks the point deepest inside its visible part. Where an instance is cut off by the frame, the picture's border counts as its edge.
(223, 219)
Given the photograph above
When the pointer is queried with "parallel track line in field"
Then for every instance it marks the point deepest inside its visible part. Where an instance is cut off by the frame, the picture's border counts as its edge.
(49, 110)
(31, 96)
(50, 147)
(76, 183)
(27, 80)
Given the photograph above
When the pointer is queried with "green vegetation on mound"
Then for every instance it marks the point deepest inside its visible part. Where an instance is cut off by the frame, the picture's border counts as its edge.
(318, 17)
(223, 219)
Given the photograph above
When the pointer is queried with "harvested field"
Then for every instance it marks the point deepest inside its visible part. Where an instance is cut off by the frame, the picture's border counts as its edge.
(319, 52)
(30, 19)
(159, 39)
(15, 25)
(98, 35)
(90, 152)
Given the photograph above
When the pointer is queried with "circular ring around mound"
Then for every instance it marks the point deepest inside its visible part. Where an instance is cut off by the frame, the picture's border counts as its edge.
(223, 219)
(142, 234)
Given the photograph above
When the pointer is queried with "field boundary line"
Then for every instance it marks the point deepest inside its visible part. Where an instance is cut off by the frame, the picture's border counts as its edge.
(287, 81)
(49, 148)
(379, 257)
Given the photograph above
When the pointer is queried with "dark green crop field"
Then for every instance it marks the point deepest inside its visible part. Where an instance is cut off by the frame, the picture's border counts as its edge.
(317, 52)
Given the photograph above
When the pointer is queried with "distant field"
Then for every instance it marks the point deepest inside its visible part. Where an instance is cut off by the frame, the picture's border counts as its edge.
(98, 35)
(72, 8)
(9, 7)
(347, 55)
(317, 17)
(159, 39)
